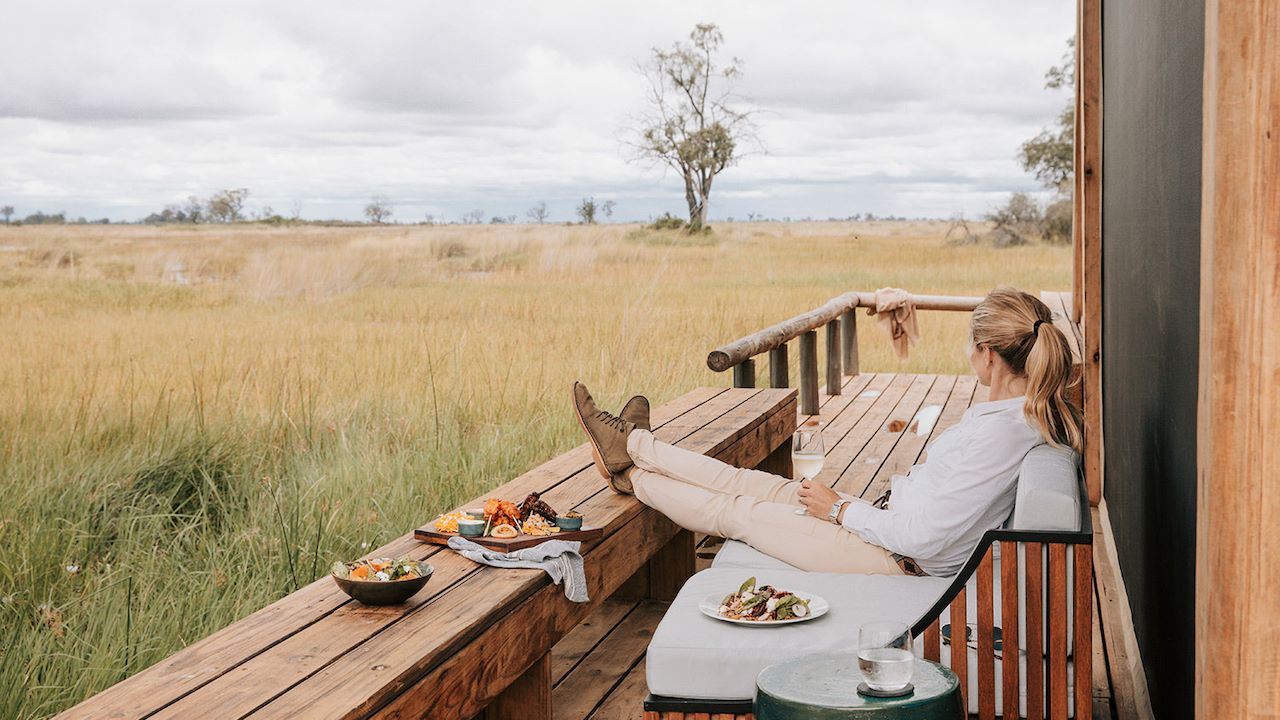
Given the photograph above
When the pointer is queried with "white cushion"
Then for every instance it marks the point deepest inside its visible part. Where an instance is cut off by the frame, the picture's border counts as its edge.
(1048, 491)
(694, 656)
(734, 554)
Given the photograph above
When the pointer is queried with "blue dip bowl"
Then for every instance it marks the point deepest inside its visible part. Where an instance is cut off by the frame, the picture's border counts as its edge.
(470, 529)
(569, 523)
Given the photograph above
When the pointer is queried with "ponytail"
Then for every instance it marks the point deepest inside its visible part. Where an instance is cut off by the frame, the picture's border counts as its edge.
(1048, 376)
(1019, 328)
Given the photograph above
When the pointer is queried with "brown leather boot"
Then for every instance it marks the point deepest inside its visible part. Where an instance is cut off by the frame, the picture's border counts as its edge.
(637, 411)
(608, 435)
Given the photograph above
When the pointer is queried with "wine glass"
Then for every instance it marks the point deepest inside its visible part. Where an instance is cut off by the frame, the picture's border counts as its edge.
(807, 454)
(884, 655)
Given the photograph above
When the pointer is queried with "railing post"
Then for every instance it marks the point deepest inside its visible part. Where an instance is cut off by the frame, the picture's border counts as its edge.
(849, 340)
(833, 358)
(744, 374)
(809, 373)
(779, 372)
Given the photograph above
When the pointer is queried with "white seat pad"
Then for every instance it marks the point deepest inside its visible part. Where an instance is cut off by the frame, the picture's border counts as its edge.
(694, 656)
(734, 554)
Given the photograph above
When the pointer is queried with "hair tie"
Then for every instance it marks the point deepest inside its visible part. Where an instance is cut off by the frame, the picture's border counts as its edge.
(1035, 328)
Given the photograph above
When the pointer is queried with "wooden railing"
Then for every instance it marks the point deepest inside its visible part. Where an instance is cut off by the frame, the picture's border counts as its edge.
(839, 317)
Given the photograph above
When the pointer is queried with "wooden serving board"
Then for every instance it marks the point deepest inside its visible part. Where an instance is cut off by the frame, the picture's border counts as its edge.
(429, 534)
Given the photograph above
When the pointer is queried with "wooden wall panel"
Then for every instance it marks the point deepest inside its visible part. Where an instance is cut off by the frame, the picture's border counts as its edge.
(1237, 661)
(1089, 212)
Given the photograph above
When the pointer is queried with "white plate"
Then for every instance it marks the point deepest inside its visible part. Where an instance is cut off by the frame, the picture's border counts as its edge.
(710, 606)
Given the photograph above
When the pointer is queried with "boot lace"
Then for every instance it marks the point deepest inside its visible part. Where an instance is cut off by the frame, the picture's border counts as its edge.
(612, 421)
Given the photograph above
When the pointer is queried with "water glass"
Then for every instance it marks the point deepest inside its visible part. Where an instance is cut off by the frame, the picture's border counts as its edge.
(884, 655)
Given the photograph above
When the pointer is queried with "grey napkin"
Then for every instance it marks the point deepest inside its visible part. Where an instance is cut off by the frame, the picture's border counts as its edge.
(559, 558)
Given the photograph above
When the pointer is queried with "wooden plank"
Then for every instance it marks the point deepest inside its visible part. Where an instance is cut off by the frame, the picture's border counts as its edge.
(1124, 661)
(933, 642)
(454, 684)
(960, 400)
(582, 639)
(906, 452)
(1089, 79)
(779, 368)
(850, 400)
(986, 639)
(481, 603)
(1009, 696)
(1033, 557)
(528, 697)
(1101, 683)
(959, 644)
(835, 375)
(625, 701)
(1237, 620)
(852, 430)
(857, 477)
(608, 664)
(1082, 649)
(259, 677)
(671, 566)
(1059, 692)
(809, 373)
(849, 342)
(744, 374)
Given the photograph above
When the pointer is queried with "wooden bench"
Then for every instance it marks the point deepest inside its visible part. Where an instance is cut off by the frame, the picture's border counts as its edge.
(476, 640)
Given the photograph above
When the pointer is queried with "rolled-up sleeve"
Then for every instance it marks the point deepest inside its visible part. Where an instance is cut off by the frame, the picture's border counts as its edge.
(975, 476)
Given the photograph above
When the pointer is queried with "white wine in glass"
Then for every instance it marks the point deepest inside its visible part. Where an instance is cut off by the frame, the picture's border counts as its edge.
(807, 453)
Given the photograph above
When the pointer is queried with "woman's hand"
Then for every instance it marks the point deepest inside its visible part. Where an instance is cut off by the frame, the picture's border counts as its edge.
(817, 498)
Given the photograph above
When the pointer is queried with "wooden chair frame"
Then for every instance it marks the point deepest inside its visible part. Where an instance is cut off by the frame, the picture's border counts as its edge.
(1048, 693)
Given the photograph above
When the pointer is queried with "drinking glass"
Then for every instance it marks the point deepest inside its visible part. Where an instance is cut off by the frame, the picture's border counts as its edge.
(807, 455)
(884, 655)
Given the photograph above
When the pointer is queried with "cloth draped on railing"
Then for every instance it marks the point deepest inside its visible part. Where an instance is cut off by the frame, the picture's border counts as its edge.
(896, 313)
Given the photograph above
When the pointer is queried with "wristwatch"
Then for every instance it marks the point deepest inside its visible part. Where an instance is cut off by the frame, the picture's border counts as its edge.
(834, 515)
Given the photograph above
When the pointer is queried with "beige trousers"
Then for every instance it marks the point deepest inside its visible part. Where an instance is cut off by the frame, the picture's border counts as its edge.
(705, 495)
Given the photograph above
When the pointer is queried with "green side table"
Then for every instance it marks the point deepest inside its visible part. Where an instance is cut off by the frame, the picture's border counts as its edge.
(825, 686)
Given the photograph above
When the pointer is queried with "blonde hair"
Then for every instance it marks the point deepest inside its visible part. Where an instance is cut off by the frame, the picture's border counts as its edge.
(1019, 328)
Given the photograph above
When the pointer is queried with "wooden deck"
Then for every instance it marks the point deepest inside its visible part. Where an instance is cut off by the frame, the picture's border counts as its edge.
(598, 668)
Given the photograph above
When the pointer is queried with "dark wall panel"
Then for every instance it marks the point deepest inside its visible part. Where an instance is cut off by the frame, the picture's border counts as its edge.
(1152, 76)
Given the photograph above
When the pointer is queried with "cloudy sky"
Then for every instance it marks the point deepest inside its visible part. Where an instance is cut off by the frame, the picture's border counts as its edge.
(116, 109)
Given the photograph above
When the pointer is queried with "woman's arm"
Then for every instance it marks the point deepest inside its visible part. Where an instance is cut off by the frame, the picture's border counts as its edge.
(978, 476)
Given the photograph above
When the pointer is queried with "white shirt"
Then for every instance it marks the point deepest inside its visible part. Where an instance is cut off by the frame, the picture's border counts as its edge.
(939, 511)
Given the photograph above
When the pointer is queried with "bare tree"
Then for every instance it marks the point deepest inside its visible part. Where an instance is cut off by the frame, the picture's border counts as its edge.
(7, 212)
(194, 210)
(690, 126)
(378, 211)
(587, 210)
(228, 205)
(538, 213)
(473, 217)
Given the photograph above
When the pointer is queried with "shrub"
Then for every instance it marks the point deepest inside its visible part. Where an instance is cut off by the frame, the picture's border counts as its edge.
(667, 221)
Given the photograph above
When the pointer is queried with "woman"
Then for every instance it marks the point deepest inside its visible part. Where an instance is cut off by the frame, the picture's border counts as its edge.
(934, 516)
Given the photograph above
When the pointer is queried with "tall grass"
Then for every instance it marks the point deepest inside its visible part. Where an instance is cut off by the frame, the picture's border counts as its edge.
(195, 421)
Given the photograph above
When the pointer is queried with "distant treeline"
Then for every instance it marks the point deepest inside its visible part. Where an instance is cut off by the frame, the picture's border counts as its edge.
(228, 206)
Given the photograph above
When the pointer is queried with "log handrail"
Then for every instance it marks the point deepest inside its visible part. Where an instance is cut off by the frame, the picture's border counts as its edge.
(839, 316)
(726, 356)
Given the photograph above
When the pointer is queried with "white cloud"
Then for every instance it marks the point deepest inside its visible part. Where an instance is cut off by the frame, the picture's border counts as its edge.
(117, 109)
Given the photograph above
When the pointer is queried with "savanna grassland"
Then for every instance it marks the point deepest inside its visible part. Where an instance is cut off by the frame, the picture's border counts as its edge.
(197, 420)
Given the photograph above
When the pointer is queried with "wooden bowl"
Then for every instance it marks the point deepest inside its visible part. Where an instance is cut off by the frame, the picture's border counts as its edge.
(377, 592)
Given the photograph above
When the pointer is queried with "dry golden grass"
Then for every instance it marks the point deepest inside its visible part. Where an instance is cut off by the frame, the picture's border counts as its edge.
(252, 403)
